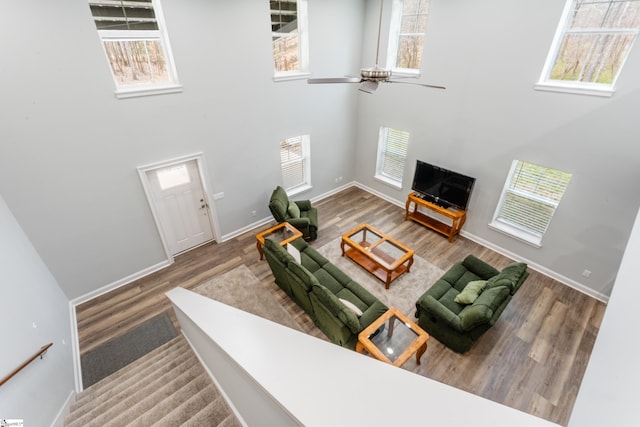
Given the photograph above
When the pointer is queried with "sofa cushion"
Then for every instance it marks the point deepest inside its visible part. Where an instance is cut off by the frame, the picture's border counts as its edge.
(293, 210)
(351, 306)
(453, 275)
(278, 251)
(328, 281)
(470, 292)
(315, 260)
(511, 273)
(279, 203)
(483, 308)
(302, 274)
(479, 267)
(331, 302)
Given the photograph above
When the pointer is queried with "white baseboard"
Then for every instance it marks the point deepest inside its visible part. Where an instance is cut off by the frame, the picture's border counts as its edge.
(64, 411)
(118, 283)
(246, 228)
(537, 267)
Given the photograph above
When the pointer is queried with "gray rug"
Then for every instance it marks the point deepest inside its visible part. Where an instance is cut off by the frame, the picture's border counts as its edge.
(402, 293)
(240, 288)
(121, 351)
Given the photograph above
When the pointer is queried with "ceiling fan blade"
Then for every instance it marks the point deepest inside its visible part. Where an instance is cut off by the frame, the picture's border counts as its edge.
(416, 84)
(323, 80)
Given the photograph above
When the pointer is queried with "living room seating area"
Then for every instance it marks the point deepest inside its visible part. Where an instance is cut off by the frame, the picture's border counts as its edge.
(338, 305)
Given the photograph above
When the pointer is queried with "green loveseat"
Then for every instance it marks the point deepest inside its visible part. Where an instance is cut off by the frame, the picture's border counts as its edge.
(298, 213)
(317, 286)
(458, 325)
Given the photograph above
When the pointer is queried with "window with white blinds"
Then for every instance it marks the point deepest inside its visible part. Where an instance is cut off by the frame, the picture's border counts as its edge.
(295, 164)
(392, 155)
(530, 197)
(136, 45)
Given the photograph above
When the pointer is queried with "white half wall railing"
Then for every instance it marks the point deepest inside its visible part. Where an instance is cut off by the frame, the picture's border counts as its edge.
(274, 375)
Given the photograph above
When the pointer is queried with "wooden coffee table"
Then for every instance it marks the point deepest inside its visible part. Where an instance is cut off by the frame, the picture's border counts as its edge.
(282, 233)
(377, 253)
(398, 343)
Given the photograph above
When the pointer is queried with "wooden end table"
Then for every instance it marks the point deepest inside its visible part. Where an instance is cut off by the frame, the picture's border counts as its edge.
(282, 233)
(377, 253)
(398, 343)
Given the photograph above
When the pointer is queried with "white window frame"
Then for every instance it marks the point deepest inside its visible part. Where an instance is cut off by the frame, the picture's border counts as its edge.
(383, 151)
(305, 160)
(397, 8)
(146, 89)
(583, 88)
(513, 229)
(303, 45)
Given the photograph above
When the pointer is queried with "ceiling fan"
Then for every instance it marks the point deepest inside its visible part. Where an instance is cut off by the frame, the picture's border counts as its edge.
(369, 77)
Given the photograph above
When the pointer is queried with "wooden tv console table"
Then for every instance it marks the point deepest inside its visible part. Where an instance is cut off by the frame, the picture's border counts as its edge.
(457, 216)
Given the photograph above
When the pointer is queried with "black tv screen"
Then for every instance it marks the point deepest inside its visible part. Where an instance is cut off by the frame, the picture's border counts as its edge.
(442, 186)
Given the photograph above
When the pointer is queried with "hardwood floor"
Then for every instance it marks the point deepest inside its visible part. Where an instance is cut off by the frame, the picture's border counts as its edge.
(533, 359)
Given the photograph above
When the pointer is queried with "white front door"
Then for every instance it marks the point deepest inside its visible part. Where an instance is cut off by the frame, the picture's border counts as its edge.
(181, 205)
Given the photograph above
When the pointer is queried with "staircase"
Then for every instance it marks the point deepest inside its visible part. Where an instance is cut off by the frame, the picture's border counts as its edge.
(167, 387)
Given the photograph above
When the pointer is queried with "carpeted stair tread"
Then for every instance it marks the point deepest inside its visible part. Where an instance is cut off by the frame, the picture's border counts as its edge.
(155, 406)
(188, 407)
(122, 387)
(177, 345)
(166, 387)
(141, 371)
(216, 413)
(149, 394)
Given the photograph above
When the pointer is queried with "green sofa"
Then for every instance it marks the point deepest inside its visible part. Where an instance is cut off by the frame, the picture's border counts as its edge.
(317, 286)
(298, 213)
(459, 325)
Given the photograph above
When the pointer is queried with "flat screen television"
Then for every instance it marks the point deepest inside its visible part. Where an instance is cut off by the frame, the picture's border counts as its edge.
(442, 186)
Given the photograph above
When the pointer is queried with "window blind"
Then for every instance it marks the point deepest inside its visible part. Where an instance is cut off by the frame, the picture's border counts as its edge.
(292, 162)
(394, 154)
(532, 196)
(123, 15)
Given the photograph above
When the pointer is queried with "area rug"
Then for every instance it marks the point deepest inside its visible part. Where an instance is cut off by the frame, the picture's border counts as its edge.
(121, 351)
(402, 293)
(240, 288)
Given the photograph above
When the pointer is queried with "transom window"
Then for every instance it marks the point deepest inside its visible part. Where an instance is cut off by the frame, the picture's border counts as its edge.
(289, 23)
(295, 164)
(592, 42)
(136, 45)
(529, 199)
(392, 156)
(407, 34)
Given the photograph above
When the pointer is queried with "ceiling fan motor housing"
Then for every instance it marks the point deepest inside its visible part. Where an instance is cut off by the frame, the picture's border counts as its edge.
(375, 74)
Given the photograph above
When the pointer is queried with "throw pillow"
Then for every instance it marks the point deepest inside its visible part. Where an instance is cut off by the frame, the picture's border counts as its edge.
(293, 210)
(470, 292)
(295, 253)
(351, 306)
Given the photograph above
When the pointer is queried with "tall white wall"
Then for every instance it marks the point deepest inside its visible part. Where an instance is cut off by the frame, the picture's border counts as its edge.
(70, 149)
(31, 297)
(489, 56)
(610, 383)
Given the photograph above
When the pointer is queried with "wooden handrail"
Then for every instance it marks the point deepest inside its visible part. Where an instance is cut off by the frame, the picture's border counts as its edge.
(40, 352)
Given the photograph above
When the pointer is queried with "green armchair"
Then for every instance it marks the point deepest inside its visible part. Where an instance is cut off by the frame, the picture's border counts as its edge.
(298, 213)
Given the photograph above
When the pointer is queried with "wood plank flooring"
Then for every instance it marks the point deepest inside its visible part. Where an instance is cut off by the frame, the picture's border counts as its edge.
(533, 359)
